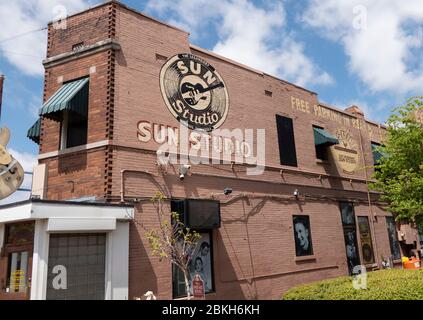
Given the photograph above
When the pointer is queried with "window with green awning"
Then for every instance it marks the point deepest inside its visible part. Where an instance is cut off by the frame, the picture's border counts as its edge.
(34, 132)
(322, 137)
(72, 96)
(323, 140)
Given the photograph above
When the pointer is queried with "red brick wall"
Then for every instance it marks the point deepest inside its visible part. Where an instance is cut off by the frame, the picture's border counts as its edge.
(254, 250)
(76, 175)
(254, 254)
(90, 169)
(88, 28)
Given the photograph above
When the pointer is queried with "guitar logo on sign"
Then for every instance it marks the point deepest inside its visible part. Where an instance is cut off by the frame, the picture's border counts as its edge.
(11, 171)
(194, 92)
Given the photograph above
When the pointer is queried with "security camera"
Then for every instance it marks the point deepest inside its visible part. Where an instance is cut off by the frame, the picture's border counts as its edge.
(227, 191)
(183, 171)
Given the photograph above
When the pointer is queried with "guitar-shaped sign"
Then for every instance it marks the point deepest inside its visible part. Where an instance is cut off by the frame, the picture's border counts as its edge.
(193, 93)
(11, 171)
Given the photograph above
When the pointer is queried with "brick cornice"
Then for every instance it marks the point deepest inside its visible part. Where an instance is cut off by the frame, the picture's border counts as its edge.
(109, 44)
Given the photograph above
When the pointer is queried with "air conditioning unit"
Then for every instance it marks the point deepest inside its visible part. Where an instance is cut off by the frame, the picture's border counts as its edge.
(198, 213)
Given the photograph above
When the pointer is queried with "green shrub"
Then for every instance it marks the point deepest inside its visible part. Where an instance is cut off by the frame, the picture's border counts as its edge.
(392, 284)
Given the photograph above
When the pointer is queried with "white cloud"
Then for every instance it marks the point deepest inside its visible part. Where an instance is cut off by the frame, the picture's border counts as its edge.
(27, 160)
(21, 16)
(386, 52)
(254, 36)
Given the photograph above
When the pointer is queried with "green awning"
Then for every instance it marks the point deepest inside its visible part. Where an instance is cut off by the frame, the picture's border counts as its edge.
(71, 96)
(34, 132)
(377, 154)
(322, 137)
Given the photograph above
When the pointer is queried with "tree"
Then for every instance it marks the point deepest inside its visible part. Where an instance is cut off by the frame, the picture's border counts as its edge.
(172, 240)
(399, 172)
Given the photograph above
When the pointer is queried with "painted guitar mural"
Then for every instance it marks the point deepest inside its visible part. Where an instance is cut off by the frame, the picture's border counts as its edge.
(11, 171)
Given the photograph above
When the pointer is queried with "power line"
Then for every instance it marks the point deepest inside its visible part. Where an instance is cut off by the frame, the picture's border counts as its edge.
(21, 54)
(22, 34)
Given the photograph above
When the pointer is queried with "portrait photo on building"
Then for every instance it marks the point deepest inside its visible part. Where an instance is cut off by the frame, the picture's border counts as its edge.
(200, 263)
(302, 234)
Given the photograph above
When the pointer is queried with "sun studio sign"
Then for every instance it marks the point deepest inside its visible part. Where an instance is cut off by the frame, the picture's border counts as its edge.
(194, 92)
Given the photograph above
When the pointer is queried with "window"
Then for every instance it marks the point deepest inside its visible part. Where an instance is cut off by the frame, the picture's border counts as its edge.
(74, 130)
(287, 153)
(202, 257)
(377, 154)
(17, 272)
(69, 106)
(366, 240)
(393, 238)
(322, 141)
(201, 263)
(302, 234)
(321, 149)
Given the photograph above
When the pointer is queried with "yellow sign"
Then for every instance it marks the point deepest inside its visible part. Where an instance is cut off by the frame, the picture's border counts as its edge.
(346, 153)
(332, 115)
(17, 279)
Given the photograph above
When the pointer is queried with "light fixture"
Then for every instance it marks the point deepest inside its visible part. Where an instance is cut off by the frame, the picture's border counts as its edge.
(296, 193)
(227, 191)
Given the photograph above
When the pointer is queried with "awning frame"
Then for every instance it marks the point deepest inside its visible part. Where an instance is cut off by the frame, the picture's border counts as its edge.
(71, 96)
(323, 138)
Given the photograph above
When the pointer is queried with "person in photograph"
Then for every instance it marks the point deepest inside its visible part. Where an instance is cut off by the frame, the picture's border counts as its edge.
(199, 269)
(303, 239)
(351, 249)
(204, 254)
(348, 214)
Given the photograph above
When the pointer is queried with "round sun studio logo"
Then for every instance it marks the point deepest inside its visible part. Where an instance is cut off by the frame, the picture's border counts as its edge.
(194, 92)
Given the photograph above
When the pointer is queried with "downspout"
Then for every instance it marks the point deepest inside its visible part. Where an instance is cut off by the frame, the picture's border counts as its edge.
(371, 213)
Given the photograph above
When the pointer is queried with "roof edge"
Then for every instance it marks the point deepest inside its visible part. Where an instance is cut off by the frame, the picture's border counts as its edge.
(71, 203)
(119, 3)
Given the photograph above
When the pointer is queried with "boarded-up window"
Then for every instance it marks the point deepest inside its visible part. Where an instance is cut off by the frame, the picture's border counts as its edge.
(288, 155)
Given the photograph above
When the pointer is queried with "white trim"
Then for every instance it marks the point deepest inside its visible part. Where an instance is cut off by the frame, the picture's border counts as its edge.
(80, 224)
(74, 210)
(64, 130)
(2, 229)
(73, 217)
(119, 261)
(108, 268)
(40, 261)
(18, 213)
(88, 146)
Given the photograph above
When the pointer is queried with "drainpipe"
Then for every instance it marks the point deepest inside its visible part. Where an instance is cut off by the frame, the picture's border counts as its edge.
(372, 215)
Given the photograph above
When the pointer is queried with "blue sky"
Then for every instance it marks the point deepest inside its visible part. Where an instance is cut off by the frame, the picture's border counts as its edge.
(364, 52)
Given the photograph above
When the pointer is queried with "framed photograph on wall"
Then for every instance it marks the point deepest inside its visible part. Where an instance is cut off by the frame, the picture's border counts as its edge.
(302, 235)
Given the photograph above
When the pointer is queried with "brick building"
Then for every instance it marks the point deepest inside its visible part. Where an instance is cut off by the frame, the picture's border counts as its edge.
(119, 86)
